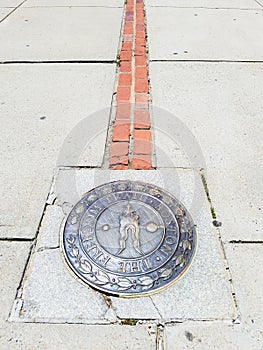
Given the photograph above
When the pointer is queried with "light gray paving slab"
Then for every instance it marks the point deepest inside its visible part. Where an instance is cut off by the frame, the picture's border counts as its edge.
(237, 4)
(51, 295)
(246, 265)
(73, 3)
(238, 198)
(60, 34)
(206, 336)
(13, 257)
(10, 3)
(67, 97)
(4, 12)
(83, 337)
(187, 299)
(209, 126)
(198, 34)
(212, 105)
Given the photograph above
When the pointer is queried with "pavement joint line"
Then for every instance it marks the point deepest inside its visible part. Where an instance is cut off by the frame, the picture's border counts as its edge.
(20, 285)
(243, 242)
(160, 337)
(62, 62)
(16, 239)
(14, 9)
(78, 167)
(32, 250)
(219, 236)
(73, 6)
(203, 61)
(209, 8)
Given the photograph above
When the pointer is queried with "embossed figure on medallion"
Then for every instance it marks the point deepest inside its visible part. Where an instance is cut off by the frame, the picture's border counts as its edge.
(129, 224)
(129, 238)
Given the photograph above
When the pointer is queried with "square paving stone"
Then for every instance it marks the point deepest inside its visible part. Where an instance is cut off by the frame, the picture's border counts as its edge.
(216, 4)
(198, 34)
(47, 114)
(209, 109)
(187, 299)
(61, 34)
(212, 106)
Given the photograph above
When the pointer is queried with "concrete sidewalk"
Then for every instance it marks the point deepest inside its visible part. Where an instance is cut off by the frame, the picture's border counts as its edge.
(58, 66)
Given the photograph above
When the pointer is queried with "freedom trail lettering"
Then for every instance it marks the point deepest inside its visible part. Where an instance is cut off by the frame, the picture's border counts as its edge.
(129, 238)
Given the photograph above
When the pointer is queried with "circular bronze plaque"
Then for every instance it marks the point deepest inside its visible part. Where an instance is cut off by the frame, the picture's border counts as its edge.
(129, 238)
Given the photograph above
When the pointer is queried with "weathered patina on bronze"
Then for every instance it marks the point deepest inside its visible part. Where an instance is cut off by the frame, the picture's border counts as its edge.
(129, 238)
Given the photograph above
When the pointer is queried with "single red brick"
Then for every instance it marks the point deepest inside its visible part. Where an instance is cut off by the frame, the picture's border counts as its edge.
(141, 85)
(142, 106)
(127, 38)
(144, 135)
(119, 149)
(140, 60)
(140, 42)
(140, 33)
(126, 47)
(125, 79)
(123, 111)
(141, 119)
(129, 7)
(140, 51)
(141, 98)
(119, 160)
(141, 73)
(141, 162)
(128, 24)
(141, 146)
(125, 55)
(130, 2)
(139, 26)
(139, 16)
(128, 30)
(121, 132)
(139, 6)
(125, 66)
(129, 17)
(120, 167)
(123, 93)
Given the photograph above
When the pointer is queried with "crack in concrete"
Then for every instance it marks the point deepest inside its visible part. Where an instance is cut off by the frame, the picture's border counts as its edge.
(155, 306)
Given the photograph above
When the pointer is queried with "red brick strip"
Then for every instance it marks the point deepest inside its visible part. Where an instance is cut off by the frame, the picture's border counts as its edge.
(131, 138)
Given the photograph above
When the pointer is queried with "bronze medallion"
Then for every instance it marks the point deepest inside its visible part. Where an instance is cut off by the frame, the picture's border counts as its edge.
(129, 238)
